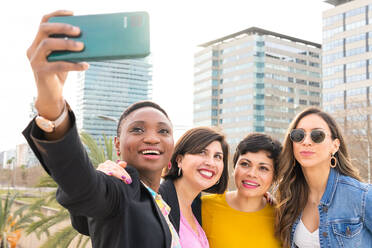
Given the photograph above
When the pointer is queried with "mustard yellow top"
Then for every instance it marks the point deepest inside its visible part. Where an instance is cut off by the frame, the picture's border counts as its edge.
(226, 227)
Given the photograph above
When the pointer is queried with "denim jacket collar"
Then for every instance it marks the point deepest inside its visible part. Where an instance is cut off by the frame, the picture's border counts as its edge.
(330, 188)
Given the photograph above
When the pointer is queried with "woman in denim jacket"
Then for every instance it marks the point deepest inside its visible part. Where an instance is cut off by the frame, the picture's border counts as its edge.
(321, 199)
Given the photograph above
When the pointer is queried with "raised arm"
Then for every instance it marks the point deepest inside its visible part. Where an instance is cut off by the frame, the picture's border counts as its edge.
(82, 189)
(50, 77)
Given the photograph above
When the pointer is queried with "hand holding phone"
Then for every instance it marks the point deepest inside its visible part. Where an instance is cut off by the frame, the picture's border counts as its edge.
(106, 37)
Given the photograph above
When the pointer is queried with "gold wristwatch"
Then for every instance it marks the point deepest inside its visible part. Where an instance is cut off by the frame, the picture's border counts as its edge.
(50, 126)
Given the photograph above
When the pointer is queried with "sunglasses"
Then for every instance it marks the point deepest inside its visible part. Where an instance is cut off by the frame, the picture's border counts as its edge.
(316, 135)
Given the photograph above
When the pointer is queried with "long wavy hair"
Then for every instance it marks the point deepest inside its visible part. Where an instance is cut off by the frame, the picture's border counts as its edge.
(293, 191)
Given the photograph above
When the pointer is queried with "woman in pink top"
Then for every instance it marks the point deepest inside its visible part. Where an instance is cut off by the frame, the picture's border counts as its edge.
(199, 163)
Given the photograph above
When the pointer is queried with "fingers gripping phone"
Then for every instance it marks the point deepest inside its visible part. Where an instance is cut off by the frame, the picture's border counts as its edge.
(106, 37)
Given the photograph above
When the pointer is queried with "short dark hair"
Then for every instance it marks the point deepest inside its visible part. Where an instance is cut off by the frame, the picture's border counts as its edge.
(135, 106)
(193, 142)
(256, 142)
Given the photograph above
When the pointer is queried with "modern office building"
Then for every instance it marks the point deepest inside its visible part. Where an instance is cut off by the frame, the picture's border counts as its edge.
(347, 75)
(8, 159)
(106, 89)
(255, 81)
(25, 157)
(347, 63)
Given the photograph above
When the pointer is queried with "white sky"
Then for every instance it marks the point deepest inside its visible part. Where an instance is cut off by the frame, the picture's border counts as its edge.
(176, 27)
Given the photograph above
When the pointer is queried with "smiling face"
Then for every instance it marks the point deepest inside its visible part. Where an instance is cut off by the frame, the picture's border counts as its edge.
(307, 152)
(204, 169)
(253, 174)
(146, 140)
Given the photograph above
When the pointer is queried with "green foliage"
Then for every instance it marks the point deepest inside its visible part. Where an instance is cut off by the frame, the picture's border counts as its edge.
(98, 153)
(11, 222)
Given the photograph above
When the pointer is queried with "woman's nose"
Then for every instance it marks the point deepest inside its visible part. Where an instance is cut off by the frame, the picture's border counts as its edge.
(307, 140)
(252, 172)
(151, 139)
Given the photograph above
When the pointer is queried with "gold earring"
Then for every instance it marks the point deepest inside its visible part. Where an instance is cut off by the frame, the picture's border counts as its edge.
(333, 161)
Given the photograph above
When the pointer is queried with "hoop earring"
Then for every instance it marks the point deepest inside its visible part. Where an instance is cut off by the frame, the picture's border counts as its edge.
(217, 182)
(333, 161)
(179, 171)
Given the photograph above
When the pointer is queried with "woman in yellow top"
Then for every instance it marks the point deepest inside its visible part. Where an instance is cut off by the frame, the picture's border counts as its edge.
(243, 218)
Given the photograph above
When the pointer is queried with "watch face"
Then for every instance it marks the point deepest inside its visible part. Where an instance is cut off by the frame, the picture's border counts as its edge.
(44, 124)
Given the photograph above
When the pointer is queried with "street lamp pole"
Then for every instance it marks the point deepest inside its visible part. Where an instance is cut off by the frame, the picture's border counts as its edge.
(108, 118)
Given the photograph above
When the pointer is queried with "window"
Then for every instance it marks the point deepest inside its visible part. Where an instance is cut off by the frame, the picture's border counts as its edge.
(215, 53)
(260, 75)
(259, 107)
(301, 81)
(259, 129)
(314, 84)
(301, 61)
(259, 117)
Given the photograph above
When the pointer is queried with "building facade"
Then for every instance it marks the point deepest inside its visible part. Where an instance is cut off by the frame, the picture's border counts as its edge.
(25, 157)
(347, 75)
(8, 159)
(106, 89)
(347, 63)
(255, 81)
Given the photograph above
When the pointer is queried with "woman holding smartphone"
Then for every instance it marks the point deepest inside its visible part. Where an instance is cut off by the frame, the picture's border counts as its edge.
(120, 215)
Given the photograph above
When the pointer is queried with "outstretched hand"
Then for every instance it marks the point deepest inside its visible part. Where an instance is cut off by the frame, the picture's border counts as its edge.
(116, 170)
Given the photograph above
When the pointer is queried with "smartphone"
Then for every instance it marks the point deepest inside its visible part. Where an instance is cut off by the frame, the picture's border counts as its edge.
(106, 37)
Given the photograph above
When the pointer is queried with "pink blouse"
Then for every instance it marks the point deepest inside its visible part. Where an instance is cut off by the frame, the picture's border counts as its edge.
(189, 238)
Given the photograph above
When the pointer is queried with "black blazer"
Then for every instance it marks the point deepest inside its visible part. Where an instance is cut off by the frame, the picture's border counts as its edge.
(169, 195)
(120, 215)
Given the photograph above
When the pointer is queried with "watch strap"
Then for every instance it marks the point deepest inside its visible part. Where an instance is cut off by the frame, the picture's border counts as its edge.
(50, 126)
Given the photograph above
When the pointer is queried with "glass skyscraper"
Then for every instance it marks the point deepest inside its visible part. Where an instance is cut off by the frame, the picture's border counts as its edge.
(255, 81)
(106, 89)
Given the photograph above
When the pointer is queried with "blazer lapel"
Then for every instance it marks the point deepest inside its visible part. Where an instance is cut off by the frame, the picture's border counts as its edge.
(163, 222)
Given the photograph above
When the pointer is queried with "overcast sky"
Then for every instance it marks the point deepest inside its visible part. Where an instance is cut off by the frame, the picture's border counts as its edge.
(176, 27)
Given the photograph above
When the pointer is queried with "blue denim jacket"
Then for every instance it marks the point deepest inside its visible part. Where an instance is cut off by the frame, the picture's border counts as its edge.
(345, 212)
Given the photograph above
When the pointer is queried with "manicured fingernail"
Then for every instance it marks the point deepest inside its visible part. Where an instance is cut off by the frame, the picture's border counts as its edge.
(123, 177)
(110, 173)
(128, 181)
(117, 161)
(76, 29)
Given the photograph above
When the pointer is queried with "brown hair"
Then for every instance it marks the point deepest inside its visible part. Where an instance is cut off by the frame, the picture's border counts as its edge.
(193, 142)
(293, 190)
